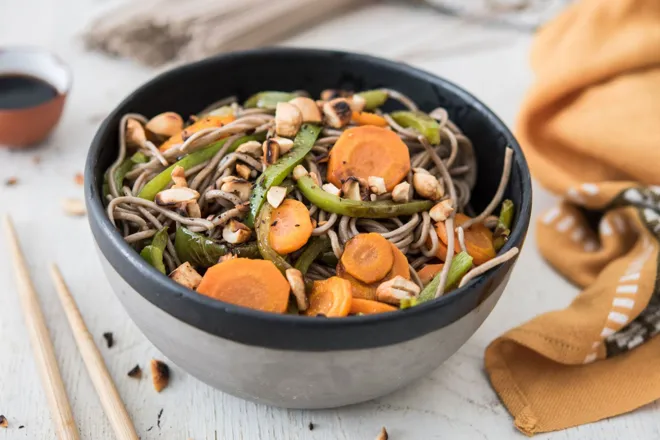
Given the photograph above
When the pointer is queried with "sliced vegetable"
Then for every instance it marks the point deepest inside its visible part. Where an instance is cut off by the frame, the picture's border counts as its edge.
(368, 257)
(225, 110)
(206, 122)
(160, 182)
(420, 122)
(503, 228)
(478, 239)
(369, 151)
(379, 209)
(373, 98)
(329, 258)
(202, 251)
(460, 265)
(315, 247)
(153, 253)
(368, 307)
(331, 298)
(262, 229)
(366, 118)
(256, 284)
(290, 227)
(428, 272)
(276, 173)
(268, 99)
(122, 170)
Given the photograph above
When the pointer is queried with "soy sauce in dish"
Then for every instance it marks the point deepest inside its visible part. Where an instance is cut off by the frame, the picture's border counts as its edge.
(23, 91)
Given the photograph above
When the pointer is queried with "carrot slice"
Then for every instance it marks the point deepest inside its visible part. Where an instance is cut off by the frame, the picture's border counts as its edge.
(256, 284)
(368, 307)
(331, 298)
(368, 291)
(478, 239)
(366, 118)
(290, 227)
(429, 271)
(206, 122)
(368, 257)
(369, 151)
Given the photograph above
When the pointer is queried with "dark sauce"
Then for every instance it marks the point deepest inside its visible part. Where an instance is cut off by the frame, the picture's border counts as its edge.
(23, 91)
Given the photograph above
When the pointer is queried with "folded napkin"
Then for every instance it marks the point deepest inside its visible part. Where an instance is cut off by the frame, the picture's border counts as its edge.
(590, 127)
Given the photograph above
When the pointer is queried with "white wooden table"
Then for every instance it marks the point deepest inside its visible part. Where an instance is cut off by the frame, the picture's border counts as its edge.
(455, 402)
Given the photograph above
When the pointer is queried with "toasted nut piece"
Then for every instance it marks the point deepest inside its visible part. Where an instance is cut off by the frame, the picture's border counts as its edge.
(193, 210)
(253, 148)
(288, 119)
(420, 170)
(394, 290)
(441, 211)
(179, 177)
(74, 207)
(428, 186)
(271, 151)
(330, 188)
(165, 125)
(295, 279)
(299, 171)
(160, 374)
(315, 178)
(173, 196)
(236, 232)
(401, 192)
(284, 143)
(135, 372)
(351, 189)
(308, 109)
(186, 276)
(383, 435)
(357, 103)
(243, 170)
(337, 112)
(377, 185)
(329, 94)
(276, 195)
(240, 187)
(3, 422)
(135, 134)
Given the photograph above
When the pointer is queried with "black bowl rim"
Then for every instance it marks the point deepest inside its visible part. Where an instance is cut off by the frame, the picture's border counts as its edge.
(97, 213)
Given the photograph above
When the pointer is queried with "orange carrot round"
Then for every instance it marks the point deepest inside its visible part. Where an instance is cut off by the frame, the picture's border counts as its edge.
(478, 239)
(256, 284)
(368, 257)
(366, 118)
(290, 227)
(369, 151)
(429, 271)
(331, 298)
(368, 307)
(206, 122)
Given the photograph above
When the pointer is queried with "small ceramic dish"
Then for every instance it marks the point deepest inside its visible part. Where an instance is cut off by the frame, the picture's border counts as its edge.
(33, 88)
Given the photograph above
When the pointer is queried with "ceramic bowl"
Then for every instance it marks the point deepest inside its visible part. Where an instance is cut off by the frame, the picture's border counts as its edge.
(294, 361)
(21, 127)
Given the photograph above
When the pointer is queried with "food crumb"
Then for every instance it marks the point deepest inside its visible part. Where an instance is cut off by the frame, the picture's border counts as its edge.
(136, 372)
(160, 374)
(150, 428)
(311, 426)
(160, 413)
(109, 339)
(274, 223)
(36, 160)
(11, 181)
(3, 421)
(21, 427)
(383, 434)
(297, 225)
(74, 207)
(79, 178)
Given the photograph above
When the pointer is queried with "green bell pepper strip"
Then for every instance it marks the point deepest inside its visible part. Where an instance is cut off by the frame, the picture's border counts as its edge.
(122, 170)
(329, 258)
(268, 99)
(226, 110)
(262, 229)
(420, 122)
(202, 251)
(373, 98)
(160, 182)
(153, 253)
(315, 247)
(503, 228)
(353, 208)
(460, 265)
(276, 173)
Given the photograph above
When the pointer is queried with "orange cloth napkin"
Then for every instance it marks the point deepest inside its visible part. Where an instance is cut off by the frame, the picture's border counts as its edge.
(590, 127)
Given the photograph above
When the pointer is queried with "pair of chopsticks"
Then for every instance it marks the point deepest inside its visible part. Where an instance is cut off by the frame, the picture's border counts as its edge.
(44, 352)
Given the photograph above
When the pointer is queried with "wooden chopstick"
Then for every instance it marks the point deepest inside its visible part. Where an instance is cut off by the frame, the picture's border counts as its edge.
(105, 388)
(42, 346)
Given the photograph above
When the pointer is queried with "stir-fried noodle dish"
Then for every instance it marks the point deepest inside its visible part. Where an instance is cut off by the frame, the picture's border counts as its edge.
(320, 207)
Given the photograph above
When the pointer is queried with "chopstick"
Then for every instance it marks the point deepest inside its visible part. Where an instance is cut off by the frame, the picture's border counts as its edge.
(105, 388)
(42, 346)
